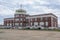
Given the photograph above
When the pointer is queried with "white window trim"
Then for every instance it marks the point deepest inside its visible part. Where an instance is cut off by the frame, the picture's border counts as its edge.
(17, 19)
(41, 23)
(31, 19)
(16, 15)
(35, 23)
(31, 23)
(41, 18)
(16, 24)
(35, 19)
(21, 19)
(46, 23)
(21, 24)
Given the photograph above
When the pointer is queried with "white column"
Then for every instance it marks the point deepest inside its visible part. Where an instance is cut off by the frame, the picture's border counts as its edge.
(46, 23)
(31, 23)
(52, 21)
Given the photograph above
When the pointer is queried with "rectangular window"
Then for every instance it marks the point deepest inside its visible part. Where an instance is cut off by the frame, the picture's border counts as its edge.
(46, 23)
(31, 19)
(17, 19)
(31, 24)
(21, 15)
(16, 15)
(24, 19)
(41, 18)
(21, 24)
(35, 19)
(21, 19)
(10, 24)
(7, 24)
(46, 18)
(16, 24)
(41, 23)
(36, 23)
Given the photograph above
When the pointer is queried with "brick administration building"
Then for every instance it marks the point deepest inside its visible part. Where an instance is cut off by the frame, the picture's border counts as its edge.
(23, 20)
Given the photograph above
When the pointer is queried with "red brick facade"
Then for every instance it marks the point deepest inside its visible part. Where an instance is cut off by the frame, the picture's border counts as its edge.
(23, 20)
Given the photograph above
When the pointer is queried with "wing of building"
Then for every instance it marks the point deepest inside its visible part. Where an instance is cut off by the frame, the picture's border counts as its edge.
(23, 20)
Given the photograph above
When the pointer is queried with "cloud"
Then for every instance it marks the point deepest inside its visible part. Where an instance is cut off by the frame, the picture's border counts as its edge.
(8, 7)
(5, 11)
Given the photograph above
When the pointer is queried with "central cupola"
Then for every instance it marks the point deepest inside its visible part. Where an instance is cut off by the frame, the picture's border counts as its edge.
(20, 11)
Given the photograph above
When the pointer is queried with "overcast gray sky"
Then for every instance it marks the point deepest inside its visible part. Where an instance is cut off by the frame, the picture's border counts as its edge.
(33, 7)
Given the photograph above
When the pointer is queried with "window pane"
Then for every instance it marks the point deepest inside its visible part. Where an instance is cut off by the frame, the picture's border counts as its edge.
(16, 24)
(35, 19)
(41, 23)
(17, 19)
(21, 24)
(20, 19)
(35, 23)
(46, 18)
(41, 18)
(31, 24)
(31, 19)
(46, 23)
(16, 15)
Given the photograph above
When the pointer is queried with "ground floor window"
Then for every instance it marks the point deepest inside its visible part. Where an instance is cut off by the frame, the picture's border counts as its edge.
(10, 24)
(16, 24)
(20, 24)
(41, 23)
(36, 23)
(31, 24)
(7, 24)
(46, 23)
